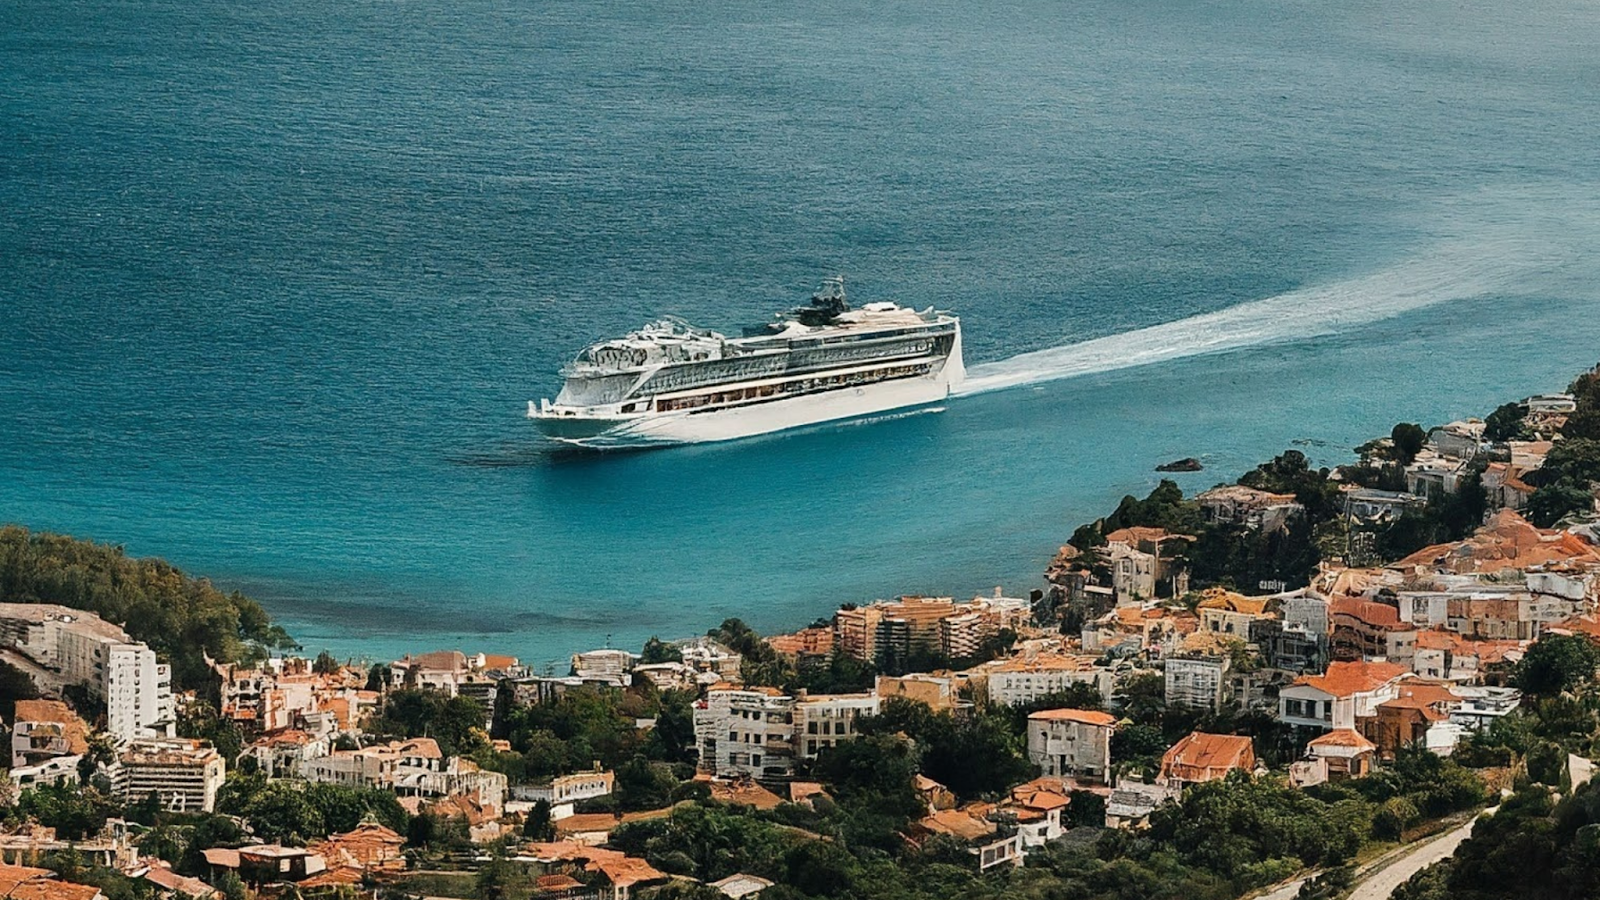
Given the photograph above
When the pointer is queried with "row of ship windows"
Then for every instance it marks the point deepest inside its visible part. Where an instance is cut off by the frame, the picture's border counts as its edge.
(666, 381)
(801, 386)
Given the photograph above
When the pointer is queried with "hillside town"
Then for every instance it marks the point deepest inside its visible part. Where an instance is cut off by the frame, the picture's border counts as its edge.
(1378, 649)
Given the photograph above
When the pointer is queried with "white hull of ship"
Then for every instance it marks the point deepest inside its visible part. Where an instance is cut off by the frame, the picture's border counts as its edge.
(686, 427)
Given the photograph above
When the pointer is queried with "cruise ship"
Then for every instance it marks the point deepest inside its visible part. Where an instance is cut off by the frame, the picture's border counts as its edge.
(671, 383)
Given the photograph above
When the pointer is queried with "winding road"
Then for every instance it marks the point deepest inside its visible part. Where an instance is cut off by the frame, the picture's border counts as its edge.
(1379, 879)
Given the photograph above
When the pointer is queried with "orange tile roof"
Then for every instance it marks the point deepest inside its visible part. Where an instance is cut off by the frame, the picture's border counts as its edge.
(1589, 626)
(1380, 615)
(1345, 678)
(73, 729)
(1203, 755)
(1440, 640)
(11, 876)
(622, 870)
(1426, 691)
(1138, 534)
(29, 883)
(1508, 541)
(369, 845)
(1218, 598)
(960, 823)
(1086, 717)
(168, 880)
(1039, 799)
(332, 877)
(591, 822)
(1343, 737)
(438, 660)
(744, 793)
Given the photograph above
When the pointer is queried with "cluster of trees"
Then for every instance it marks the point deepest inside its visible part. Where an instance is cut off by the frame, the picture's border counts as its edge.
(1223, 839)
(1534, 846)
(1545, 839)
(1231, 554)
(183, 619)
(1564, 482)
(295, 812)
(457, 723)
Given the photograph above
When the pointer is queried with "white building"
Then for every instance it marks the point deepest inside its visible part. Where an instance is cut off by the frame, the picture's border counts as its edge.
(58, 770)
(824, 720)
(286, 753)
(746, 731)
(1023, 679)
(1346, 692)
(184, 774)
(1198, 682)
(606, 663)
(1133, 572)
(1071, 742)
(82, 648)
(565, 790)
(45, 729)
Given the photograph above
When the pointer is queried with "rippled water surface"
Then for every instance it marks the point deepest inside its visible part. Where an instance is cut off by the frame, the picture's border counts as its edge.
(277, 278)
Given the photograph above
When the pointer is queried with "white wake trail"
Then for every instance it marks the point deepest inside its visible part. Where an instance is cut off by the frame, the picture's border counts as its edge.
(1454, 270)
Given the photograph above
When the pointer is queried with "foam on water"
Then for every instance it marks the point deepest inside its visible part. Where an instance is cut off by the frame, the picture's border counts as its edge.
(1503, 254)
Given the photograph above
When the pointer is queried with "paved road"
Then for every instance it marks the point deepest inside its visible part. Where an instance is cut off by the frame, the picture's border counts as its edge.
(1379, 882)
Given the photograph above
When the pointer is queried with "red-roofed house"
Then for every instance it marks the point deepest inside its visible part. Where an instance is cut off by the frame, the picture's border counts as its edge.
(1201, 757)
(621, 873)
(45, 729)
(1348, 691)
(1343, 753)
(1363, 629)
(1073, 742)
(29, 883)
(1419, 714)
(990, 844)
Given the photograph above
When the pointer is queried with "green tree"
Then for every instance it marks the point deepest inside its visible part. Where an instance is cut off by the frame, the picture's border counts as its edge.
(1087, 810)
(657, 651)
(1087, 537)
(231, 886)
(325, 664)
(456, 723)
(200, 720)
(1556, 663)
(1505, 423)
(538, 826)
(185, 620)
(1408, 439)
(1553, 502)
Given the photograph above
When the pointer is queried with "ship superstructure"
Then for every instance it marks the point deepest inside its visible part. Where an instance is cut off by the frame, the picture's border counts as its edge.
(670, 382)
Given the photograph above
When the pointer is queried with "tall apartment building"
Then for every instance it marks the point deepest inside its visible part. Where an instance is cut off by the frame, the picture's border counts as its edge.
(184, 774)
(1071, 742)
(961, 636)
(1198, 681)
(855, 631)
(746, 731)
(81, 648)
(1024, 679)
(823, 720)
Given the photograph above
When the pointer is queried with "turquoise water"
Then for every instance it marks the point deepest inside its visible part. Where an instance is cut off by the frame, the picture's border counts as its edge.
(277, 279)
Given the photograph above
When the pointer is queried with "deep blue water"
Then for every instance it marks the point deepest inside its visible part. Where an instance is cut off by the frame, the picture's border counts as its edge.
(277, 278)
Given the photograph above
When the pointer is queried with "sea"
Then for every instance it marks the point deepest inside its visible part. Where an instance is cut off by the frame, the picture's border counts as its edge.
(278, 278)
